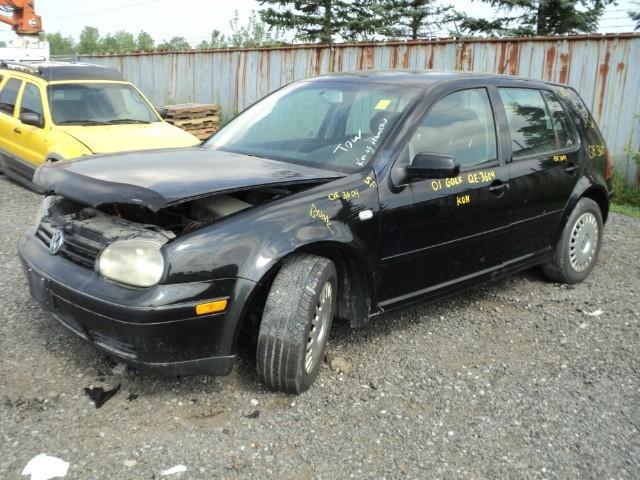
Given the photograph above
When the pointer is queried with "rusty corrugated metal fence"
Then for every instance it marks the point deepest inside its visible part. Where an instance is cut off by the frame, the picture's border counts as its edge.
(604, 69)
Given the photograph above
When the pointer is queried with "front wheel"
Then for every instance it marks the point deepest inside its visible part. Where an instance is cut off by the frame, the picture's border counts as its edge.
(577, 251)
(295, 324)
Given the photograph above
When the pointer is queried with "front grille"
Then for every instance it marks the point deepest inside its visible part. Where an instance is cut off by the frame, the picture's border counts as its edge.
(78, 247)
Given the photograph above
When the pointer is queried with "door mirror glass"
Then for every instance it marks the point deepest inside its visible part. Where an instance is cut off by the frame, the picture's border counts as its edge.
(433, 165)
(32, 118)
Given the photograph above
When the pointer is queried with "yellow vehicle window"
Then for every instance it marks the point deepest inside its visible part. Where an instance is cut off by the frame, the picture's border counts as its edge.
(9, 95)
(31, 100)
(98, 104)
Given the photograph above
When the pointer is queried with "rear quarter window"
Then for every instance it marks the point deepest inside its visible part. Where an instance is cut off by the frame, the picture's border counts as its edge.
(583, 115)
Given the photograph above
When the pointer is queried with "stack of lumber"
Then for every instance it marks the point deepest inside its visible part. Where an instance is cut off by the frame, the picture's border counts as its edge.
(199, 119)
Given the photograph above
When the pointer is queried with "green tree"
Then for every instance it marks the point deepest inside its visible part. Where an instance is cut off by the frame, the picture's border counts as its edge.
(145, 42)
(317, 20)
(635, 16)
(538, 17)
(3, 44)
(59, 45)
(368, 19)
(108, 44)
(120, 42)
(89, 41)
(126, 42)
(175, 44)
(254, 34)
(412, 19)
(217, 40)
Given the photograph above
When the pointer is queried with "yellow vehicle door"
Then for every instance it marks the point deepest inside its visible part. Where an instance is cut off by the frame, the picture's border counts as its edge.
(8, 122)
(32, 131)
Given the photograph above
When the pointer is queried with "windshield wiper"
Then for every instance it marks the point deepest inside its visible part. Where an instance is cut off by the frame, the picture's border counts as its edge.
(82, 122)
(126, 120)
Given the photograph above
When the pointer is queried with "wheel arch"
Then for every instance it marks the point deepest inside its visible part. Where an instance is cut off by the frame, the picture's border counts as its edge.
(355, 280)
(585, 188)
(598, 195)
(355, 285)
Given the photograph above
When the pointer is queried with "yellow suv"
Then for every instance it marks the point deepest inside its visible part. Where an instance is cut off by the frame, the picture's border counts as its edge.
(52, 111)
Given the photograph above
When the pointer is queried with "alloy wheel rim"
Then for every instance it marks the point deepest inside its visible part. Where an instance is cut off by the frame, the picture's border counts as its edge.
(319, 327)
(583, 242)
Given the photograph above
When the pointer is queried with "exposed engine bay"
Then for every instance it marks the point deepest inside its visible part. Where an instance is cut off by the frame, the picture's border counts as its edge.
(118, 221)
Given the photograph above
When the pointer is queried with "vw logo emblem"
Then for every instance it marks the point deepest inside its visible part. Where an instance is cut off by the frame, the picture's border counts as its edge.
(56, 243)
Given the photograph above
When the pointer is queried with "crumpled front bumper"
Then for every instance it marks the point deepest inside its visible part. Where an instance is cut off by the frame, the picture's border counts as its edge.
(155, 327)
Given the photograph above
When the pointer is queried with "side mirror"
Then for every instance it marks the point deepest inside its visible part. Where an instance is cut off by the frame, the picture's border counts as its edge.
(32, 118)
(433, 165)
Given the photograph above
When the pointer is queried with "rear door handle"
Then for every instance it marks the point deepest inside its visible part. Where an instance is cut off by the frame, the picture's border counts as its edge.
(17, 130)
(571, 168)
(498, 188)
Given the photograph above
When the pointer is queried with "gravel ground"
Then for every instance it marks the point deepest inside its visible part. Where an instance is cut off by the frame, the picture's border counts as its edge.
(512, 380)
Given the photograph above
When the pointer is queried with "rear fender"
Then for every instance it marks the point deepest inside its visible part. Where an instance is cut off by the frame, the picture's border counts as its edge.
(585, 187)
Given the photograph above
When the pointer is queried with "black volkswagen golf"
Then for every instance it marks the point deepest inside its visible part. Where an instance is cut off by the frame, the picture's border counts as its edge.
(342, 196)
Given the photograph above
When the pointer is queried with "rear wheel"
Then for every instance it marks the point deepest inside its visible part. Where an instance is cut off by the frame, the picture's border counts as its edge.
(577, 251)
(295, 324)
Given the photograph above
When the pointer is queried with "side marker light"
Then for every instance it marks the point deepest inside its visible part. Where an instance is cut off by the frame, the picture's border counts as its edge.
(212, 307)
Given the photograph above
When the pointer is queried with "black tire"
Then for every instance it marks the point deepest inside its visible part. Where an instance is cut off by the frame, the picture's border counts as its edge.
(287, 322)
(565, 266)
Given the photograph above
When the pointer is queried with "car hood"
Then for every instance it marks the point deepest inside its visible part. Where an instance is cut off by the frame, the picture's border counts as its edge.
(159, 178)
(118, 138)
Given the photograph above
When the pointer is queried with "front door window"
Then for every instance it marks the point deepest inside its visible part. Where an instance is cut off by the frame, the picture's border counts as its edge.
(461, 124)
(31, 100)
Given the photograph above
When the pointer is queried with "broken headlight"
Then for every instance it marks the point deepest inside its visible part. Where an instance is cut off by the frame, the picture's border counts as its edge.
(135, 262)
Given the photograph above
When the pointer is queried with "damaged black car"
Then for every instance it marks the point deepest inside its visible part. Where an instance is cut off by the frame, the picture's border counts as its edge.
(339, 197)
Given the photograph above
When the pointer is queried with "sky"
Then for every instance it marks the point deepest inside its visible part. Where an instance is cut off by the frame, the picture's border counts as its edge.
(164, 19)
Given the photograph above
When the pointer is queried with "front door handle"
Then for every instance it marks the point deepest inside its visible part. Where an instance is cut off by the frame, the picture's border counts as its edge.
(571, 168)
(17, 130)
(498, 188)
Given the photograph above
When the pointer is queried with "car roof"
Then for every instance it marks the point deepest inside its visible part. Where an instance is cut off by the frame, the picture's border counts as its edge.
(61, 71)
(420, 78)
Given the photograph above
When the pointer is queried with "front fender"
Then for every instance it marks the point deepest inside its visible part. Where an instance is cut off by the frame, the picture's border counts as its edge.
(63, 146)
(250, 243)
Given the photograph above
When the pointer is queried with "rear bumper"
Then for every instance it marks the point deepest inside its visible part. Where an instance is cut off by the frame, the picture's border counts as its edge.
(154, 328)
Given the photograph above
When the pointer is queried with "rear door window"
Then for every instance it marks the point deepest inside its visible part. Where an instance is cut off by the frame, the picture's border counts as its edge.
(537, 122)
(529, 123)
(9, 96)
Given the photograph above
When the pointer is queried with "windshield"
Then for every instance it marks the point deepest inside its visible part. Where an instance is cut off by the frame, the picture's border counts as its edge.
(333, 125)
(98, 104)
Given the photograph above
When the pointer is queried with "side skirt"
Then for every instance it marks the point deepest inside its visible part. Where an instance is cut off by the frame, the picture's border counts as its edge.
(454, 287)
